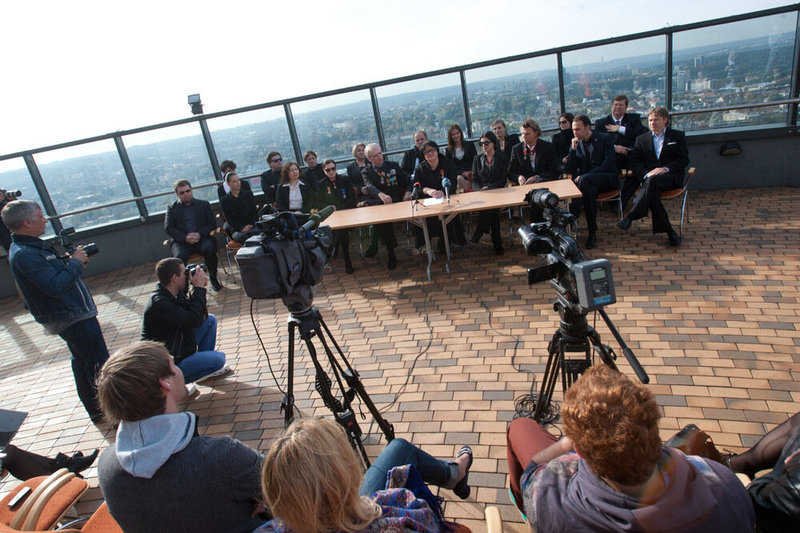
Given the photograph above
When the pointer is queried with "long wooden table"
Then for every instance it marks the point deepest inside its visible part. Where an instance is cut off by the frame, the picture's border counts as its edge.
(417, 212)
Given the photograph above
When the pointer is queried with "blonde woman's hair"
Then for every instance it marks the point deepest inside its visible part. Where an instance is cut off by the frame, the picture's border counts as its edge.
(311, 477)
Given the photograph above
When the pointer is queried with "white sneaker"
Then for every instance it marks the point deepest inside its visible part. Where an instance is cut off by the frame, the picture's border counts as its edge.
(221, 372)
(192, 392)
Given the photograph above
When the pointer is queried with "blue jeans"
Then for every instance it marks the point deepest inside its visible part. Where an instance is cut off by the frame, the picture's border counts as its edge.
(401, 452)
(89, 352)
(206, 360)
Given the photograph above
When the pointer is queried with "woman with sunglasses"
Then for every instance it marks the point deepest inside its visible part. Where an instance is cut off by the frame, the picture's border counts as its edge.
(563, 139)
(489, 171)
(339, 192)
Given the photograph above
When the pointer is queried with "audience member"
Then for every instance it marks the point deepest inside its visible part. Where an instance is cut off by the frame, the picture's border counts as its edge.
(313, 173)
(223, 188)
(57, 297)
(5, 234)
(621, 478)
(591, 162)
(312, 481)
(563, 139)
(776, 494)
(623, 127)
(505, 142)
(339, 192)
(462, 152)
(160, 474)
(271, 179)
(658, 162)
(430, 174)
(354, 169)
(191, 223)
(413, 157)
(489, 171)
(24, 465)
(386, 183)
(239, 208)
(533, 160)
(293, 194)
(180, 321)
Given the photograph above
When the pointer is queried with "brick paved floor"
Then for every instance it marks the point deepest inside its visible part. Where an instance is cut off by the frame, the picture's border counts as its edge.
(713, 322)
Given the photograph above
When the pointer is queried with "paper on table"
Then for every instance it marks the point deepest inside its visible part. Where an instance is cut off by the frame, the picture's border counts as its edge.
(433, 201)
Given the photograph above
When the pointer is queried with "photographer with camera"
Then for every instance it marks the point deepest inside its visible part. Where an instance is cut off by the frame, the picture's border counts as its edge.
(178, 318)
(56, 295)
(5, 234)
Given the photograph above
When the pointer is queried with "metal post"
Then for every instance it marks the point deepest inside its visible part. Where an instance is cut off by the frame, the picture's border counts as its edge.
(465, 101)
(792, 118)
(212, 153)
(563, 102)
(41, 188)
(668, 78)
(373, 96)
(287, 109)
(128, 168)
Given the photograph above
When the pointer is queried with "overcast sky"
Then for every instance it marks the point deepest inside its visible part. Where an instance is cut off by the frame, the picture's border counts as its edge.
(85, 68)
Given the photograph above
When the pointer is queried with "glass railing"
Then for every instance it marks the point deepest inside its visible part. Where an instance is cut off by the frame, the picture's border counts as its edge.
(732, 73)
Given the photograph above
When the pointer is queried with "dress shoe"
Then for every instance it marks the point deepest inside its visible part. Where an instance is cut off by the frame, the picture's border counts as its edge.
(674, 240)
(348, 266)
(476, 237)
(591, 241)
(625, 223)
(215, 284)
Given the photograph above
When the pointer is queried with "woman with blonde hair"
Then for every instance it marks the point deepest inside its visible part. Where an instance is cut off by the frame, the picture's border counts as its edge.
(312, 482)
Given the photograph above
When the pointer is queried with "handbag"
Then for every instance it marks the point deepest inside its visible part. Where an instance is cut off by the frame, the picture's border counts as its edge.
(692, 440)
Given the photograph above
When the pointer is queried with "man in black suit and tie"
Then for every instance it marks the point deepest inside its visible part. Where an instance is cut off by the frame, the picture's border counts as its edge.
(623, 128)
(658, 161)
(591, 162)
(532, 161)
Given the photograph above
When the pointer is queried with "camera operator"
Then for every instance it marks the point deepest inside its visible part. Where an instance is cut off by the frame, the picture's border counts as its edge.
(57, 296)
(180, 320)
(5, 234)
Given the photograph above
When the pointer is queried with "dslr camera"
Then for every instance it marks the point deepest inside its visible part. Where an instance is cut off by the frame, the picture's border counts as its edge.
(67, 236)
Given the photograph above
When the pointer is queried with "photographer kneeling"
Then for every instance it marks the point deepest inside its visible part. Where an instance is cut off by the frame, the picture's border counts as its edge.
(181, 321)
(621, 478)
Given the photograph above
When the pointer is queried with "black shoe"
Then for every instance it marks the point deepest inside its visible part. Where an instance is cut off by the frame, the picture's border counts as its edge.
(476, 237)
(392, 260)
(348, 267)
(625, 223)
(462, 488)
(77, 463)
(591, 241)
(674, 240)
(215, 284)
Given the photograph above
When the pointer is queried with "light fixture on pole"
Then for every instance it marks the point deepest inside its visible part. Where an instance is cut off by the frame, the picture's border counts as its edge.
(197, 107)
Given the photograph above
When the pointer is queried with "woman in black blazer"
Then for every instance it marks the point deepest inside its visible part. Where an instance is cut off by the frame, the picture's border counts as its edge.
(461, 151)
(293, 194)
(505, 142)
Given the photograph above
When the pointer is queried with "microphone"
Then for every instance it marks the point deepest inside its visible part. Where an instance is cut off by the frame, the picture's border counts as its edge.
(446, 184)
(415, 191)
(315, 219)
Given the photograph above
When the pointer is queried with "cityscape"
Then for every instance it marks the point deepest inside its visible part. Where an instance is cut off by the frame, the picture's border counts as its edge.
(749, 71)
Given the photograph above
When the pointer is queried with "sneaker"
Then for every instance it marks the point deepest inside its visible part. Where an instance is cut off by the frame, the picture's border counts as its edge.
(191, 391)
(221, 372)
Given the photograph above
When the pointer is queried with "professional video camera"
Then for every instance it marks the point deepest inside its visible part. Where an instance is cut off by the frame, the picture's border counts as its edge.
(286, 258)
(67, 241)
(582, 286)
(9, 195)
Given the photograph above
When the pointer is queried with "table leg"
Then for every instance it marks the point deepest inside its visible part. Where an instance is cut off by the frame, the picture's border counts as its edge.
(444, 221)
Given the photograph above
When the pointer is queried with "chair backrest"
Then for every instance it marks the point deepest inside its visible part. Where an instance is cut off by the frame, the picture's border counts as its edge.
(102, 522)
(689, 176)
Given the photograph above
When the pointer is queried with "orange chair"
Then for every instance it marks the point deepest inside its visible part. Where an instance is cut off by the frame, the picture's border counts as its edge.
(615, 195)
(680, 191)
(45, 506)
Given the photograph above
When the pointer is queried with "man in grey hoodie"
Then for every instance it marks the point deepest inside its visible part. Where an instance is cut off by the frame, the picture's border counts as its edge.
(161, 475)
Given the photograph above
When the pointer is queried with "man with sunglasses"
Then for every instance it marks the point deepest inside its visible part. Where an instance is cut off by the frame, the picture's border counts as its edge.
(271, 179)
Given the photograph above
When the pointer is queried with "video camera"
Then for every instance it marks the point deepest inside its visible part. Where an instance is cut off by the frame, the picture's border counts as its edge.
(287, 257)
(583, 285)
(67, 236)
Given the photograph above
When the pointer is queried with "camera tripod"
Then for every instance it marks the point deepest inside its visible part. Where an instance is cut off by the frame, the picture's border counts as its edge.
(575, 335)
(309, 324)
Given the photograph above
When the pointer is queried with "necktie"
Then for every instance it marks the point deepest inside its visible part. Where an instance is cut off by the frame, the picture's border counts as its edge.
(617, 122)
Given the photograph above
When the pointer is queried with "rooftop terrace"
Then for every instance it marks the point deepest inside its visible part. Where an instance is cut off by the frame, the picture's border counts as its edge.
(713, 322)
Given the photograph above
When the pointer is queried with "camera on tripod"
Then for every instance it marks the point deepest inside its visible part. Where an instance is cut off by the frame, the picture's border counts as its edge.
(67, 236)
(584, 285)
(286, 258)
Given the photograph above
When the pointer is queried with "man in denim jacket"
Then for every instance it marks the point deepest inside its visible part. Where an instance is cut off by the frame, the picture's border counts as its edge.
(56, 296)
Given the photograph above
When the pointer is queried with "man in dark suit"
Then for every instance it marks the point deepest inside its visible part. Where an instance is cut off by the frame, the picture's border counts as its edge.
(658, 161)
(271, 179)
(413, 157)
(623, 127)
(591, 162)
(533, 160)
(190, 224)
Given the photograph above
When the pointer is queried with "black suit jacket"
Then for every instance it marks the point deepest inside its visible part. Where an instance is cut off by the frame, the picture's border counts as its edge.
(270, 181)
(241, 211)
(545, 165)
(221, 192)
(175, 223)
(305, 191)
(633, 128)
(602, 158)
(342, 194)
(411, 158)
(674, 155)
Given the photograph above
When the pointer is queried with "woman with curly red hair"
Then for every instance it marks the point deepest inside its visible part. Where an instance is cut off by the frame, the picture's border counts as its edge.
(610, 471)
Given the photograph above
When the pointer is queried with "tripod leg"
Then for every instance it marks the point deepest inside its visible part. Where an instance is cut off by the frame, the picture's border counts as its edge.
(606, 355)
(554, 360)
(287, 405)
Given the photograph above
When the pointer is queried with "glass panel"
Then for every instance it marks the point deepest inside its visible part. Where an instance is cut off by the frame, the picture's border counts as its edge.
(738, 63)
(594, 76)
(76, 181)
(514, 92)
(14, 176)
(330, 126)
(161, 157)
(247, 138)
(430, 104)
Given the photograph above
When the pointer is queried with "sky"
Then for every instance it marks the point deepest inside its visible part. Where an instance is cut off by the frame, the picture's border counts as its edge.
(79, 69)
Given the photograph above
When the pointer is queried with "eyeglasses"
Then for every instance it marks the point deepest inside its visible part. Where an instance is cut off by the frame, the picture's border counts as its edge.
(485, 143)
(277, 160)
(330, 169)
(426, 152)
